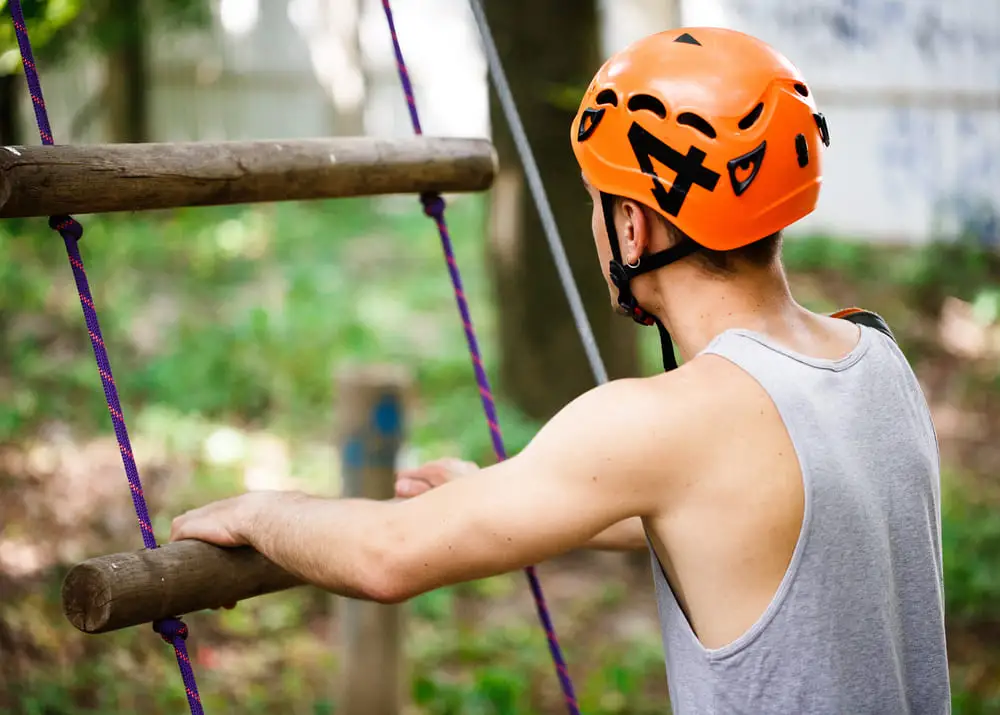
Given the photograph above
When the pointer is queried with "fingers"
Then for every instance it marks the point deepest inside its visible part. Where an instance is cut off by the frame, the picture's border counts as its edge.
(214, 523)
(416, 481)
(411, 486)
(439, 471)
(193, 521)
(176, 527)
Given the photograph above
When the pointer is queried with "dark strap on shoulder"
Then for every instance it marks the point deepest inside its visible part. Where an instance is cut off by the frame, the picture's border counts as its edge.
(865, 317)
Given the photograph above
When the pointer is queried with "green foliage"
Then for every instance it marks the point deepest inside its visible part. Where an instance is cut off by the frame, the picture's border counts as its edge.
(923, 276)
(56, 26)
(242, 315)
(493, 691)
(825, 253)
(971, 544)
(962, 269)
(966, 703)
(49, 24)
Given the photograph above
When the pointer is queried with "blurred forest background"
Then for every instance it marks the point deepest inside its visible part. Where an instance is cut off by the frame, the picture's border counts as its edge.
(226, 325)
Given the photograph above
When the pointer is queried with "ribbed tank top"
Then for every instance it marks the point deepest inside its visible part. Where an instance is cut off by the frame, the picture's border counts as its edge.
(857, 624)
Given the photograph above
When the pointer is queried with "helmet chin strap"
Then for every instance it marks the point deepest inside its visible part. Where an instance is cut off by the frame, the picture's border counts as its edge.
(622, 274)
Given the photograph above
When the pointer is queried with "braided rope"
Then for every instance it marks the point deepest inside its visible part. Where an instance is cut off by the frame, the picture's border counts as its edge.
(172, 630)
(434, 207)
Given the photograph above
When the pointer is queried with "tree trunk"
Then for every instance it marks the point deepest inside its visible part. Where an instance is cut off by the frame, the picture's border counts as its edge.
(550, 54)
(128, 76)
(11, 131)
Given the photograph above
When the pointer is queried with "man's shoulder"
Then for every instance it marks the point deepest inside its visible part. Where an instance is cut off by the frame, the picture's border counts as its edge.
(616, 421)
(646, 433)
(696, 395)
(703, 384)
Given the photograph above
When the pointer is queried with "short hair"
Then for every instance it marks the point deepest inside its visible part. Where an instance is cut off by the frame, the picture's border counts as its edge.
(759, 254)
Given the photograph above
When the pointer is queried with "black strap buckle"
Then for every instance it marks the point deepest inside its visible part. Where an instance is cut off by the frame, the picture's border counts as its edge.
(620, 278)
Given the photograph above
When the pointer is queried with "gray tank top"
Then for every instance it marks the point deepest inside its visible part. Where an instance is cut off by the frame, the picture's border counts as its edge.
(857, 624)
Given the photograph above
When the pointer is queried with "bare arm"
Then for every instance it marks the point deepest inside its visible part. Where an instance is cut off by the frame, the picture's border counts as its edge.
(626, 535)
(583, 474)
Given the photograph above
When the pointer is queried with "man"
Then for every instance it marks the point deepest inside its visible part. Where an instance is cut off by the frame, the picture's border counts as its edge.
(785, 478)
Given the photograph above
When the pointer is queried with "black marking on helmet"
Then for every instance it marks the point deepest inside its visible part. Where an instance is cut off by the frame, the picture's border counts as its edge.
(751, 162)
(689, 168)
(687, 40)
(589, 120)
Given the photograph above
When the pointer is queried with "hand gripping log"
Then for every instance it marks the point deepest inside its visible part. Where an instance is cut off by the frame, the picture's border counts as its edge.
(63, 180)
(108, 593)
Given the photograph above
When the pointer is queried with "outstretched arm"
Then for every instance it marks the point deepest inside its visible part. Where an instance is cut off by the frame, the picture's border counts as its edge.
(583, 473)
(627, 535)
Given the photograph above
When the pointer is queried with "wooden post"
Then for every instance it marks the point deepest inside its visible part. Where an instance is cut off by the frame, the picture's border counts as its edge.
(121, 590)
(57, 180)
(370, 410)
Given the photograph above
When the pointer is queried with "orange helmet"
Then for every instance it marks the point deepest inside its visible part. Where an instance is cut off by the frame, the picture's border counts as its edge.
(730, 120)
(711, 128)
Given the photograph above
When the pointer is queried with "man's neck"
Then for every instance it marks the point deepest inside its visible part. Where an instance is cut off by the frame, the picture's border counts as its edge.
(695, 307)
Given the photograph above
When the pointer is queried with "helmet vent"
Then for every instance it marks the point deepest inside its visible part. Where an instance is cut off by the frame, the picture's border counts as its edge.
(802, 150)
(801, 89)
(696, 122)
(647, 102)
(824, 129)
(750, 119)
(607, 96)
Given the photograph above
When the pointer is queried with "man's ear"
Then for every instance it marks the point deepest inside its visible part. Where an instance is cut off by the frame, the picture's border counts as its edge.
(633, 231)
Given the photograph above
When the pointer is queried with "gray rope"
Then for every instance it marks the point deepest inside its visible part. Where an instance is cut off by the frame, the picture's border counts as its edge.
(541, 199)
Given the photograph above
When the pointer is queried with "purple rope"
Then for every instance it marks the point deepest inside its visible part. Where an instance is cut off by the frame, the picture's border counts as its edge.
(172, 630)
(434, 207)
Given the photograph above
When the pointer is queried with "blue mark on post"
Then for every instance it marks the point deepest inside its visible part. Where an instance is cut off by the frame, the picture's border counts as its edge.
(387, 417)
(373, 445)
(353, 455)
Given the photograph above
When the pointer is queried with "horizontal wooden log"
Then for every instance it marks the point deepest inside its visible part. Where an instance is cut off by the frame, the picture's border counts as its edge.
(57, 180)
(121, 590)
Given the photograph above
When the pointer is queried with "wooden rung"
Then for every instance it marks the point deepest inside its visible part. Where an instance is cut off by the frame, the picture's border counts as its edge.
(121, 590)
(57, 180)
